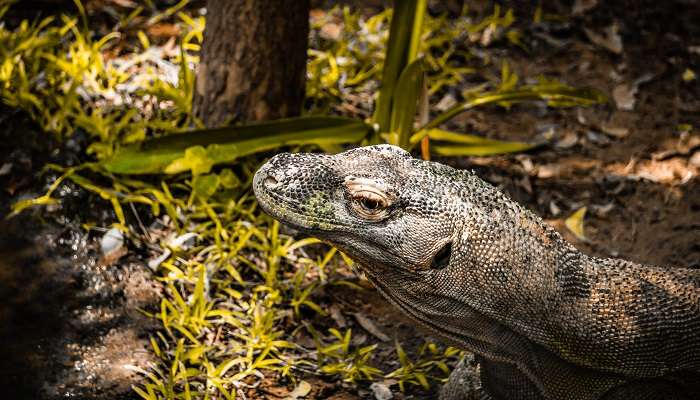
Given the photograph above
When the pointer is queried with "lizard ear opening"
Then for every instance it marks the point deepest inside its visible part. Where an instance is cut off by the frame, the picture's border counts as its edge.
(442, 257)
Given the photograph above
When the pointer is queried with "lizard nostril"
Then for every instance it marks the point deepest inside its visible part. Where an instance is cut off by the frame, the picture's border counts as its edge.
(271, 182)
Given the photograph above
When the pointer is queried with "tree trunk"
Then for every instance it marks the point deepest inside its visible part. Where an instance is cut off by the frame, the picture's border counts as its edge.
(253, 60)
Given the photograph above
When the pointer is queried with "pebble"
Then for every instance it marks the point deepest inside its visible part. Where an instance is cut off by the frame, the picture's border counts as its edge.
(381, 391)
(112, 241)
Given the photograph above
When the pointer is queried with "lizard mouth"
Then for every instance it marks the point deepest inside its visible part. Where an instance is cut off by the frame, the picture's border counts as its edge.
(285, 209)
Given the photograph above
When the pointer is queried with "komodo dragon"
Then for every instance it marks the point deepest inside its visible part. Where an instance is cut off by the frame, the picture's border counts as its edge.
(544, 320)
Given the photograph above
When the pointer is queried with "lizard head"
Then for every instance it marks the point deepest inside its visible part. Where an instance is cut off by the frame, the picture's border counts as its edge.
(383, 208)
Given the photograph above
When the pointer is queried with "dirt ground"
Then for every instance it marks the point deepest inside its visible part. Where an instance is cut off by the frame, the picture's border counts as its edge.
(70, 325)
(69, 319)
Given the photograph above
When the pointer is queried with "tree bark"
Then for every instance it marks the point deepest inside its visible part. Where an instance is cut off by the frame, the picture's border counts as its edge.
(253, 61)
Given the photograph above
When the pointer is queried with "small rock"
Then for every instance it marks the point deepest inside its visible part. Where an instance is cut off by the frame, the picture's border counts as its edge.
(112, 241)
(624, 96)
(5, 169)
(381, 391)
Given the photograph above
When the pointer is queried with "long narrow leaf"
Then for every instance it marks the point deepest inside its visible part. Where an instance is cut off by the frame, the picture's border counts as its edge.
(220, 145)
(554, 95)
(417, 29)
(403, 112)
(400, 51)
(471, 145)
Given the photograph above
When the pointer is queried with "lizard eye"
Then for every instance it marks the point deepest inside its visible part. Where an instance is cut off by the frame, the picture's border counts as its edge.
(368, 200)
(369, 205)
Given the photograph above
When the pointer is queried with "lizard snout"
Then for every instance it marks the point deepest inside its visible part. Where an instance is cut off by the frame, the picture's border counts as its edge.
(266, 179)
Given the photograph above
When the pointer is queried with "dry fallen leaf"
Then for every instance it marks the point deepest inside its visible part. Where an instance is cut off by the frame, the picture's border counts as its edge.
(554, 209)
(337, 316)
(447, 102)
(695, 159)
(163, 30)
(597, 138)
(688, 75)
(581, 6)
(547, 171)
(568, 140)
(624, 96)
(370, 327)
(614, 131)
(609, 40)
(575, 223)
(302, 390)
(330, 31)
(124, 3)
(672, 170)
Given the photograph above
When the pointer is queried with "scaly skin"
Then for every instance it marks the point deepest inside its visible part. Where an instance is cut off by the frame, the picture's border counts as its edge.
(457, 255)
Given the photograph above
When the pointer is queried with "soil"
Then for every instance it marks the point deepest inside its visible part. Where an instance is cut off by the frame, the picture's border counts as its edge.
(69, 319)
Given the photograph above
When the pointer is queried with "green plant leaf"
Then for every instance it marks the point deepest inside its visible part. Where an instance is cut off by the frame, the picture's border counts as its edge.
(403, 111)
(471, 145)
(417, 29)
(229, 179)
(555, 94)
(401, 49)
(169, 154)
(196, 159)
(204, 186)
